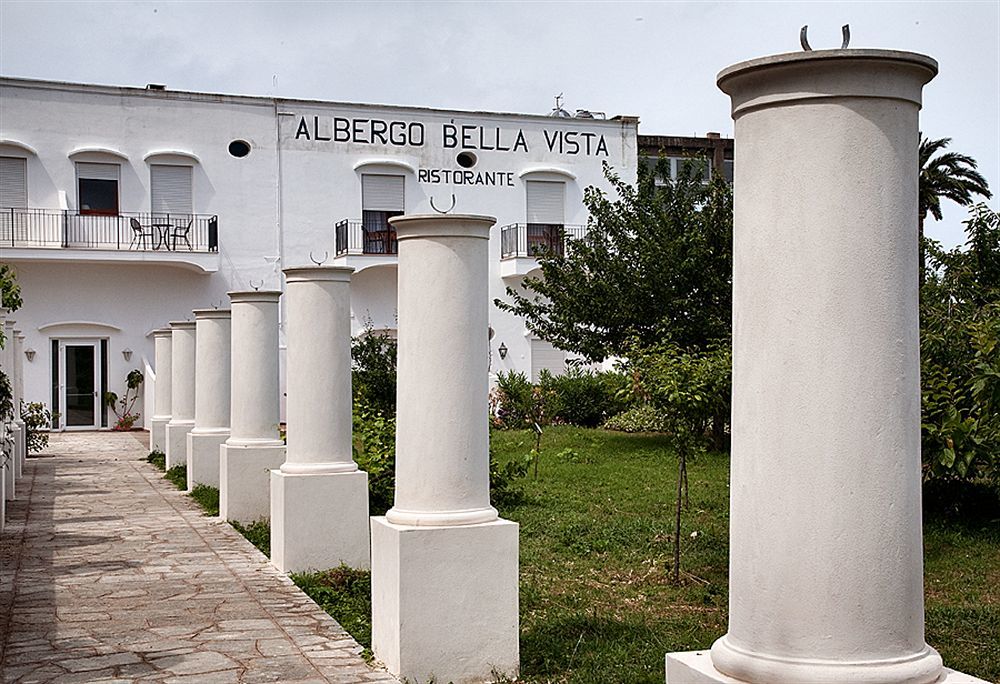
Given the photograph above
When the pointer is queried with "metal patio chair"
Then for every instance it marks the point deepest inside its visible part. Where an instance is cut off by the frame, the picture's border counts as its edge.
(182, 234)
(139, 235)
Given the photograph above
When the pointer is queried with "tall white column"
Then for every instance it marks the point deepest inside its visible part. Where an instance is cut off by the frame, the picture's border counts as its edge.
(212, 364)
(182, 348)
(826, 571)
(254, 446)
(450, 612)
(9, 458)
(20, 432)
(319, 498)
(162, 343)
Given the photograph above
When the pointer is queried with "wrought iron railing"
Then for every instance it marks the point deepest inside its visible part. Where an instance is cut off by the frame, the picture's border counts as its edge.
(65, 229)
(536, 239)
(353, 236)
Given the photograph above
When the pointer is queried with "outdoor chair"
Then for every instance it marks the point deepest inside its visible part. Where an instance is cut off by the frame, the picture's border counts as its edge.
(181, 232)
(139, 235)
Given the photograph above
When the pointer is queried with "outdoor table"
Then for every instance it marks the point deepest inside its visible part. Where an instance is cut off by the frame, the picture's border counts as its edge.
(163, 235)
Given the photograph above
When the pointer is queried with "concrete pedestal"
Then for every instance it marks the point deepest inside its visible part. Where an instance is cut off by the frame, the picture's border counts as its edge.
(18, 435)
(158, 434)
(695, 667)
(244, 480)
(176, 441)
(8, 476)
(319, 521)
(203, 456)
(447, 600)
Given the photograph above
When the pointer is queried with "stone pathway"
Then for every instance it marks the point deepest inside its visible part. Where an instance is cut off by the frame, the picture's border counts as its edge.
(109, 574)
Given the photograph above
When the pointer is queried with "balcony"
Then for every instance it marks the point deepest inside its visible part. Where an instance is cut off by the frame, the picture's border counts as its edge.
(363, 244)
(50, 235)
(522, 243)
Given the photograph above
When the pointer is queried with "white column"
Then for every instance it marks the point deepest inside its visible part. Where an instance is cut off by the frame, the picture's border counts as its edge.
(162, 343)
(451, 613)
(211, 396)
(826, 572)
(182, 347)
(319, 498)
(254, 446)
(10, 453)
(20, 432)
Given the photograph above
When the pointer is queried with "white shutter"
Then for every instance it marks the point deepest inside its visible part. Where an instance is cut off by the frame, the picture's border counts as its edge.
(381, 192)
(170, 189)
(546, 201)
(14, 182)
(544, 355)
(92, 171)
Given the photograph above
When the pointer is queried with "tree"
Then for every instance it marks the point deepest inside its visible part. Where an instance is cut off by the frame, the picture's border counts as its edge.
(960, 354)
(655, 264)
(950, 175)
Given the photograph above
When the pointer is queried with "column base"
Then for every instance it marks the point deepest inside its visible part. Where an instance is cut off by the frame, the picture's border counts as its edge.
(176, 438)
(319, 521)
(203, 457)
(245, 481)
(20, 447)
(8, 476)
(445, 601)
(695, 667)
(158, 434)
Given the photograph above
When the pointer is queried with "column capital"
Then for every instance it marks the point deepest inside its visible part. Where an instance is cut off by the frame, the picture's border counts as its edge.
(241, 296)
(182, 325)
(301, 274)
(201, 314)
(442, 225)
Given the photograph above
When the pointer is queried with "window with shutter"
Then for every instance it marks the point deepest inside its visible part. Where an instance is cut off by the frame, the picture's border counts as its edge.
(381, 199)
(97, 188)
(171, 189)
(546, 202)
(14, 182)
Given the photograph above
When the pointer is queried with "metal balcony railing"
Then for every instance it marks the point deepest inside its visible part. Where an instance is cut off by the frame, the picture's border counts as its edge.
(353, 236)
(531, 240)
(65, 229)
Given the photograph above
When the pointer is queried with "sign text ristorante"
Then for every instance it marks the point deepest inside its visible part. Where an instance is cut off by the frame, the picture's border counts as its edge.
(395, 133)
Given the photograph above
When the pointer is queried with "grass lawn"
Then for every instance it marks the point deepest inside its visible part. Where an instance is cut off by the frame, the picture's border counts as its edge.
(597, 604)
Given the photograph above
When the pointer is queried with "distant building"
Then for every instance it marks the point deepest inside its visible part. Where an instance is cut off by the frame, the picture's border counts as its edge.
(713, 149)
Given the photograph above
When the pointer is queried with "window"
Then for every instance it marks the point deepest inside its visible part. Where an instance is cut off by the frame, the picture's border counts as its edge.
(727, 170)
(381, 199)
(97, 188)
(702, 164)
(170, 189)
(546, 201)
(13, 182)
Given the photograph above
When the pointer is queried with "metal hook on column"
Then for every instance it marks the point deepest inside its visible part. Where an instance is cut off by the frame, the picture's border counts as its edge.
(256, 287)
(216, 305)
(326, 255)
(445, 211)
(845, 32)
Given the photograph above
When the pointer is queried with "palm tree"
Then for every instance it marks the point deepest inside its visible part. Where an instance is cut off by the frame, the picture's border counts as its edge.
(950, 175)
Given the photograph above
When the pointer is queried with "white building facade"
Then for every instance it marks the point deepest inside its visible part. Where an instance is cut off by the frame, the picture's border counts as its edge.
(125, 208)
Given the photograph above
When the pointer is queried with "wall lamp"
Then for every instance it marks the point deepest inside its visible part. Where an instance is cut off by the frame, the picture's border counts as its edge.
(30, 354)
(127, 353)
(503, 350)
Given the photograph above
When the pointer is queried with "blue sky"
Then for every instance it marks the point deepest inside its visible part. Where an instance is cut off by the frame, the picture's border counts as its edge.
(656, 60)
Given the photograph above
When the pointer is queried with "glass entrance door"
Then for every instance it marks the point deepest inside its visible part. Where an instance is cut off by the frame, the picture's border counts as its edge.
(80, 385)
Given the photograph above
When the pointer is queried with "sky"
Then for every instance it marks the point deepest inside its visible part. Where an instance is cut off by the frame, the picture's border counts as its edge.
(654, 60)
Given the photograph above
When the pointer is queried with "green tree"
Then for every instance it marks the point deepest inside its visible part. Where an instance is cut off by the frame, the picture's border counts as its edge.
(960, 354)
(655, 264)
(949, 175)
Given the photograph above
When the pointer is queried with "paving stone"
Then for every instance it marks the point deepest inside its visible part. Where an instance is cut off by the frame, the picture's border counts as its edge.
(118, 578)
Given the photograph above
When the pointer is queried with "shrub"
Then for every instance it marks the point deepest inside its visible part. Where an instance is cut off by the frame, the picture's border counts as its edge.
(582, 397)
(511, 401)
(642, 418)
(257, 533)
(375, 453)
(373, 377)
(37, 421)
(207, 497)
(177, 476)
(123, 408)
